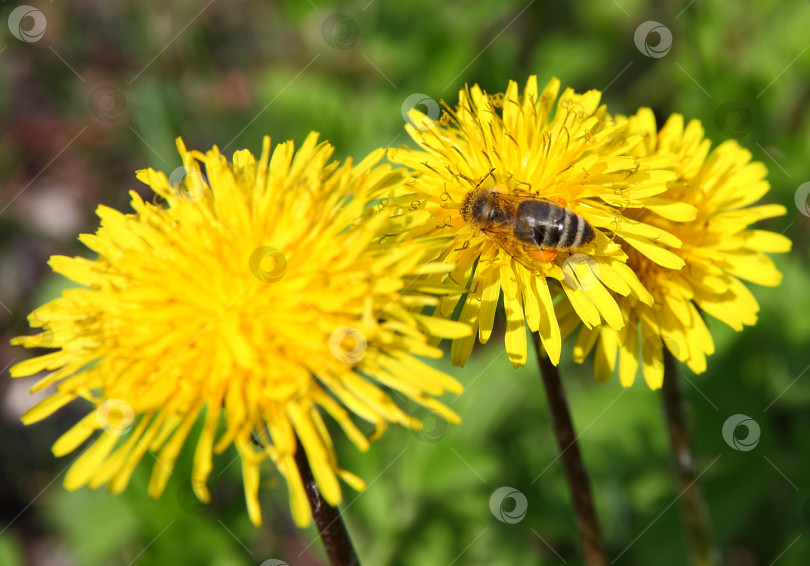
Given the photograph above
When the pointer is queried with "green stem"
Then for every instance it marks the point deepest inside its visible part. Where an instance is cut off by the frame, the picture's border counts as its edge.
(334, 536)
(591, 535)
(695, 511)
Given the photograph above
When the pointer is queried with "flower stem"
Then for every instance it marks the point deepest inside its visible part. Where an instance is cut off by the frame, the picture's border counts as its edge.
(695, 511)
(592, 545)
(334, 536)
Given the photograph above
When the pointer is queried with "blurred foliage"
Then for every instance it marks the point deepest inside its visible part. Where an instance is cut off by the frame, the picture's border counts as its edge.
(228, 73)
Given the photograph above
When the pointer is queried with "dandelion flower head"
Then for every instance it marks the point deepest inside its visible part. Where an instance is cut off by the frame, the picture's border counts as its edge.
(573, 154)
(719, 249)
(253, 296)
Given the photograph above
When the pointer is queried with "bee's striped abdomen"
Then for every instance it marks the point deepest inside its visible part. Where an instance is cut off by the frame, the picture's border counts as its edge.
(576, 232)
(551, 226)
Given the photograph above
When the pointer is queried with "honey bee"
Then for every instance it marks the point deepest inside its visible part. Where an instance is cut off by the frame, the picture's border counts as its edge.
(529, 228)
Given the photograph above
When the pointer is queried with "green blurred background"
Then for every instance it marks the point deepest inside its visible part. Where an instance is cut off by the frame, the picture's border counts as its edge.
(108, 86)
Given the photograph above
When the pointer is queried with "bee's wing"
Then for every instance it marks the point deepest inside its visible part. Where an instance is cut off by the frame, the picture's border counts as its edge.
(513, 199)
(514, 247)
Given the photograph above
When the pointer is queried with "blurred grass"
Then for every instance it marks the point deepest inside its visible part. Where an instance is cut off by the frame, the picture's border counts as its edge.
(231, 73)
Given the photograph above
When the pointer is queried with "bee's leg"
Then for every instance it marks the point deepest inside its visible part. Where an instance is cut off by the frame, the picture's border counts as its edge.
(559, 200)
(543, 255)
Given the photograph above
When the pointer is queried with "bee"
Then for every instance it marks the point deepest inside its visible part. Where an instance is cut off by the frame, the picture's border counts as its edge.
(529, 228)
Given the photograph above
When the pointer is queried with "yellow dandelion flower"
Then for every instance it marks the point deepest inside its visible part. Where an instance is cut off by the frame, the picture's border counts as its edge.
(254, 296)
(576, 166)
(719, 250)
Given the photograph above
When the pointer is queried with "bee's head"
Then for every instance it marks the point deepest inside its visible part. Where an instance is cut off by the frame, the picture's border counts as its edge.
(478, 206)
